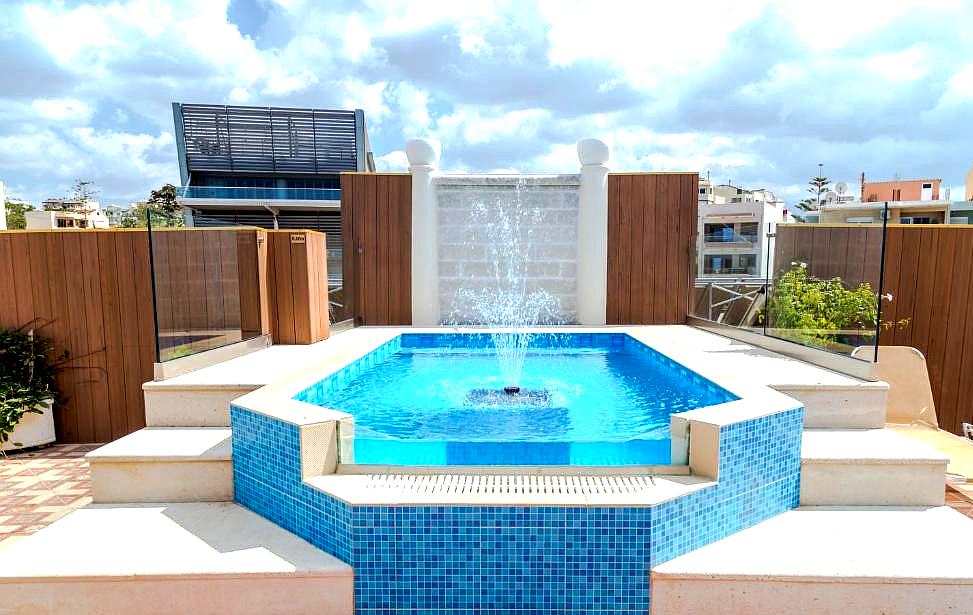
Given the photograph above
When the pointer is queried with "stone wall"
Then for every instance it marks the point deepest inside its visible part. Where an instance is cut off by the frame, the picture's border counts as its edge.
(543, 216)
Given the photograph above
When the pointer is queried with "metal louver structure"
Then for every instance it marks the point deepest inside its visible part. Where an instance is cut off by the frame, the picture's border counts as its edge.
(268, 140)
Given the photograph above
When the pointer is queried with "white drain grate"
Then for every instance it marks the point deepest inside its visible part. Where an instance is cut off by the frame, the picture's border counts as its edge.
(466, 485)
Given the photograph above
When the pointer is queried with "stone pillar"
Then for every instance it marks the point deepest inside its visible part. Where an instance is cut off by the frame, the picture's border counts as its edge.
(423, 157)
(593, 232)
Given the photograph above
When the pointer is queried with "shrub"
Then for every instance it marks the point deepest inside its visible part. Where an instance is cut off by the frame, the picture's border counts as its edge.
(27, 370)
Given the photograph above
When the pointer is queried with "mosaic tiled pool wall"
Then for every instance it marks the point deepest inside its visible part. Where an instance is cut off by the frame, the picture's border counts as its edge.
(453, 559)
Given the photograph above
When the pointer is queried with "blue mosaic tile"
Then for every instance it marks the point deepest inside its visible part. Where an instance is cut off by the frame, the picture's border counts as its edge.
(449, 559)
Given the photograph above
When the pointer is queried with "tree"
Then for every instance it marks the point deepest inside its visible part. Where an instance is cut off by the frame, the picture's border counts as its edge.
(818, 187)
(84, 190)
(163, 200)
(166, 211)
(16, 220)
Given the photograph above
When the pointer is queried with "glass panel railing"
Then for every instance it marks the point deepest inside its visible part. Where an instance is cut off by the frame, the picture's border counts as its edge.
(824, 287)
(205, 284)
(817, 285)
(232, 192)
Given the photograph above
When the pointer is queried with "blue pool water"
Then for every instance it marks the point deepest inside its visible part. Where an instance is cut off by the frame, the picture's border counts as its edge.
(586, 399)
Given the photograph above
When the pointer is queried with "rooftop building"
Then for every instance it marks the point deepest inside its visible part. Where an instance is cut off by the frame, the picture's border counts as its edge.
(269, 167)
(733, 227)
(64, 213)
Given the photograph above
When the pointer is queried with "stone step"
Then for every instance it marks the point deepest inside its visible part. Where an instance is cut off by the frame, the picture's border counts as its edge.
(841, 406)
(170, 464)
(869, 467)
(169, 404)
(828, 561)
(200, 559)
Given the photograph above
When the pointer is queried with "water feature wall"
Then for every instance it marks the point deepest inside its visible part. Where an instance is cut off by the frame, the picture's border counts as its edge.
(559, 222)
(494, 227)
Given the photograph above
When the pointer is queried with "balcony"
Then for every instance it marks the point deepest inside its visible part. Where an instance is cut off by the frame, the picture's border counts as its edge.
(258, 194)
(726, 239)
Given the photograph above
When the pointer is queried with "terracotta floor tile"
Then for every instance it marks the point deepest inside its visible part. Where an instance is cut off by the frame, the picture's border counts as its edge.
(39, 487)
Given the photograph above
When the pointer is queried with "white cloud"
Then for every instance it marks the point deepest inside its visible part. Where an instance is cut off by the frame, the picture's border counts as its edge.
(62, 109)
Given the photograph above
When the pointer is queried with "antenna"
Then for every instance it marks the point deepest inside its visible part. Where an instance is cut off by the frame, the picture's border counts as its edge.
(841, 188)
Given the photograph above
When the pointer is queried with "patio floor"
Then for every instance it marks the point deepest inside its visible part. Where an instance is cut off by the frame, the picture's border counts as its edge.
(39, 487)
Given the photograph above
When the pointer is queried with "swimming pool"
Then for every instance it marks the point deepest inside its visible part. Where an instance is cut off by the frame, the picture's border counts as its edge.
(592, 399)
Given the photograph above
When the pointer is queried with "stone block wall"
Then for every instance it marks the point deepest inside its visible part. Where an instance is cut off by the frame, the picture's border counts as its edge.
(542, 212)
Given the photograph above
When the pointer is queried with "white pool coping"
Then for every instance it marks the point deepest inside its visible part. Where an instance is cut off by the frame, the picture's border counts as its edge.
(748, 372)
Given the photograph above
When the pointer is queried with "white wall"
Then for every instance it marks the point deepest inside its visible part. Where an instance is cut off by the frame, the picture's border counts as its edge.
(466, 243)
(3, 208)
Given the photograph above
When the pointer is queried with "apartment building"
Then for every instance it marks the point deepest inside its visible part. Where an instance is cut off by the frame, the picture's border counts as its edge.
(733, 224)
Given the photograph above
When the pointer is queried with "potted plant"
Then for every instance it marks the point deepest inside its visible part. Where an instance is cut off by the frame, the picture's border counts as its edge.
(27, 389)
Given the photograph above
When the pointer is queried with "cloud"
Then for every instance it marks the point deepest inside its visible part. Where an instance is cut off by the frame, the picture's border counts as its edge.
(758, 91)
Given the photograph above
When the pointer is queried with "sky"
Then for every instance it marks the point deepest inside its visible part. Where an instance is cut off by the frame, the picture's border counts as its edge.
(753, 92)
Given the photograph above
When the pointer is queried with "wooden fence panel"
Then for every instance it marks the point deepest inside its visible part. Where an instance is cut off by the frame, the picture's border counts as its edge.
(651, 238)
(80, 290)
(376, 214)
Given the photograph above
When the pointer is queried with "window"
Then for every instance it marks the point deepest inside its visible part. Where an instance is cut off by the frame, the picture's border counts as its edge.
(749, 231)
(927, 185)
(718, 233)
(717, 263)
(702, 190)
(896, 194)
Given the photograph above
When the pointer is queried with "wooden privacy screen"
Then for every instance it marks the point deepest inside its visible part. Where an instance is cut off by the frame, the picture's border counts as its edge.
(297, 287)
(90, 292)
(928, 271)
(651, 242)
(376, 223)
(850, 252)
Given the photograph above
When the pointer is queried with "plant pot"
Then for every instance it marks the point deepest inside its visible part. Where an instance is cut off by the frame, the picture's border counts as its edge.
(32, 430)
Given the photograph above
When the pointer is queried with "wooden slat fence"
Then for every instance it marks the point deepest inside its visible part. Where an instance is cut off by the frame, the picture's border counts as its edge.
(90, 293)
(929, 273)
(651, 243)
(377, 257)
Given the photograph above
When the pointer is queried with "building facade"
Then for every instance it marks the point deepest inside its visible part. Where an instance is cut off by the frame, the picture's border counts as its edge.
(901, 190)
(269, 167)
(733, 227)
(67, 214)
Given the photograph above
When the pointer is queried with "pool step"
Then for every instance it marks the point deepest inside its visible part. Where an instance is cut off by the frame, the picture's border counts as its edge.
(175, 464)
(828, 561)
(841, 406)
(172, 559)
(869, 467)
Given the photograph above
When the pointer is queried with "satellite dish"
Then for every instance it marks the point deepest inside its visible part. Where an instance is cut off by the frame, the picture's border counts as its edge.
(841, 187)
(830, 196)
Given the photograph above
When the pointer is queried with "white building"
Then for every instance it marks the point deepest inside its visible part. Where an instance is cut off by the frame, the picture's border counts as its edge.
(733, 227)
(67, 213)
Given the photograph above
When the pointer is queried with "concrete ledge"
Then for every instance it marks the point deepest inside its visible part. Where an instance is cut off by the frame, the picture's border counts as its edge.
(191, 405)
(184, 365)
(172, 559)
(824, 560)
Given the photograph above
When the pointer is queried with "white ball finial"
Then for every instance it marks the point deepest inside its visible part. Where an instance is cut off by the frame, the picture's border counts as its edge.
(422, 152)
(593, 151)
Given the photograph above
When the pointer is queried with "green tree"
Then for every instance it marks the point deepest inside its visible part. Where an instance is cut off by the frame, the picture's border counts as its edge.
(818, 187)
(137, 217)
(16, 220)
(163, 200)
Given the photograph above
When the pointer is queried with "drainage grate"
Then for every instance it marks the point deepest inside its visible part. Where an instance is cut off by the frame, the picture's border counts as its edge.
(508, 485)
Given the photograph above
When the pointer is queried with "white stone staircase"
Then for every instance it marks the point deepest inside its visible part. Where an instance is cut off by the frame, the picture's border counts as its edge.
(163, 534)
(871, 535)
